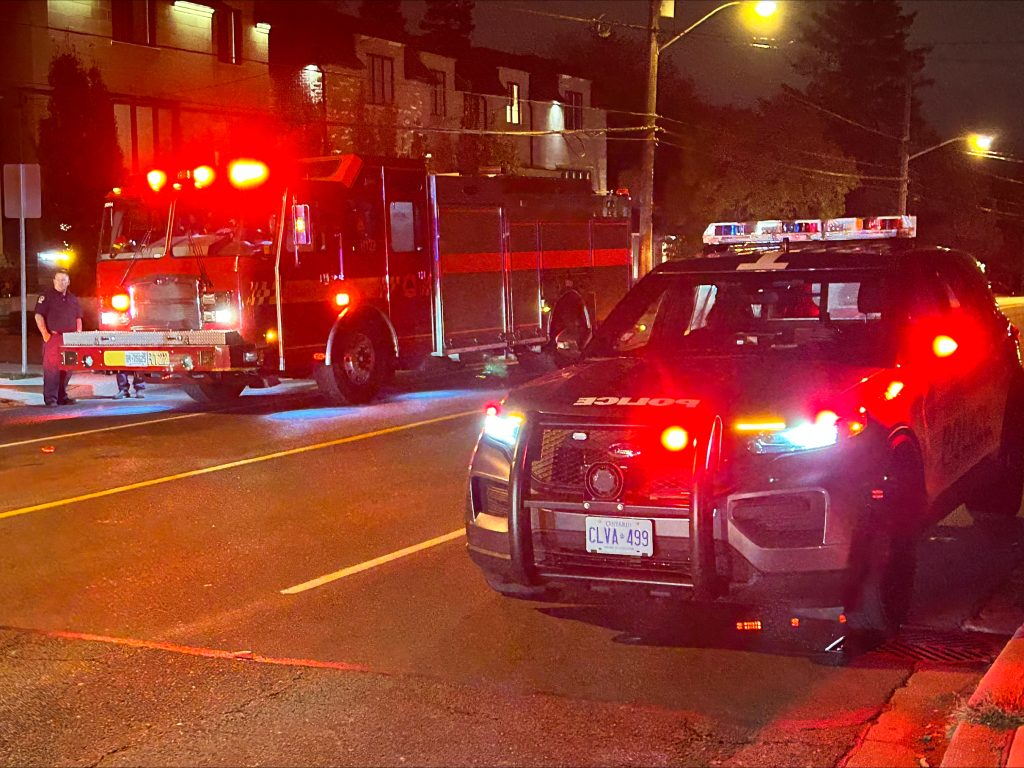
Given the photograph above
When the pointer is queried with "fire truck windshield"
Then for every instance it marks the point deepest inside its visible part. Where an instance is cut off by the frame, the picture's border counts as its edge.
(132, 229)
(841, 317)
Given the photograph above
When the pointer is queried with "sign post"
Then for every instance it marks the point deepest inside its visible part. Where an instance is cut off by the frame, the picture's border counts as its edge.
(22, 201)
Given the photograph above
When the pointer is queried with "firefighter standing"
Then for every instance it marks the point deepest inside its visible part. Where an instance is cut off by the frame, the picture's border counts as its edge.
(57, 312)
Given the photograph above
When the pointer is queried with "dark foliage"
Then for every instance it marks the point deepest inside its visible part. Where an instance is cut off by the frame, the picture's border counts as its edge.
(80, 161)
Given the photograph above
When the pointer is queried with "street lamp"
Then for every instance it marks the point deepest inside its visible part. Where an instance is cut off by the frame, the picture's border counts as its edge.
(977, 143)
(762, 9)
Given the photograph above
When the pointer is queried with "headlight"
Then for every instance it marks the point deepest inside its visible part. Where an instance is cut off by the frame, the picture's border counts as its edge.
(823, 432)
(501, 427)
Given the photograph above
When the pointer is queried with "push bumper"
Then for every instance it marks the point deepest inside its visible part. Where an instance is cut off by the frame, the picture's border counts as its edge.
(743, 560)
(162, 352)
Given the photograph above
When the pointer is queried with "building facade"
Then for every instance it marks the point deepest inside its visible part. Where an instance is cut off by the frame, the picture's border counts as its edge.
(200, 73)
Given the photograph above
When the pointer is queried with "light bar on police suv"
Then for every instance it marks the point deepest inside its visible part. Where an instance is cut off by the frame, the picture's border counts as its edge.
(770, 231)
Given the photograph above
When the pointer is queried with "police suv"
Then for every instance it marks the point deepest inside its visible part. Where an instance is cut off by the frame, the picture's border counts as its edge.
(772, 425)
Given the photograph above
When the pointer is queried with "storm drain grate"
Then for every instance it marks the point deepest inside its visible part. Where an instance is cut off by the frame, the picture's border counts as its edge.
(945, 647)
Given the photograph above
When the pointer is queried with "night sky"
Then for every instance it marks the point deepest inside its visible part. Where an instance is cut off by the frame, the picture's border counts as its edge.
(976, 61)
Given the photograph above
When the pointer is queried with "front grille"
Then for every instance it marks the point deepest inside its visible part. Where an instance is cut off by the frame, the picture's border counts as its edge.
(166, 302)
(558, 458)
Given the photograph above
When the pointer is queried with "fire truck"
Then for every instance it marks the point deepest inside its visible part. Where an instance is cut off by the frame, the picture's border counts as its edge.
(344, 269)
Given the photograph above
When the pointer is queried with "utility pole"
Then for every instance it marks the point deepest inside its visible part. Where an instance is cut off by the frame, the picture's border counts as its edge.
(647, 172)
(905, 148)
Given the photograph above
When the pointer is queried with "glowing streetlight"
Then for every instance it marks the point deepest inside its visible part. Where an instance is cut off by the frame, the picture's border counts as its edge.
(980, 142)
(754, 14)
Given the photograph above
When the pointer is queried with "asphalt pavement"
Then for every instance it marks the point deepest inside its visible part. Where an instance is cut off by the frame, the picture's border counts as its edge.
(280, 582)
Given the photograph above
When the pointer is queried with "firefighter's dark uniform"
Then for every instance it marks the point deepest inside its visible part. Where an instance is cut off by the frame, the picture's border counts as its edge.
(61, 311)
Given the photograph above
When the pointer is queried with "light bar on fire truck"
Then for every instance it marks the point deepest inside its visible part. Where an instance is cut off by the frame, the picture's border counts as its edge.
(801, 230)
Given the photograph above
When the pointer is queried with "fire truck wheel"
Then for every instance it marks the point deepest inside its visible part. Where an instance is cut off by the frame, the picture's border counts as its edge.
(999, 497)
(214, 391)
(883, 579)
(359, 366)
(569, 314)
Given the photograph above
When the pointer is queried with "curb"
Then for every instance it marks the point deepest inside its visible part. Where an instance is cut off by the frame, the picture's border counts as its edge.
(980, 746)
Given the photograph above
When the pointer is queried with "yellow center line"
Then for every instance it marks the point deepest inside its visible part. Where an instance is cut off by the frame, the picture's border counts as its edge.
(354, 569)
(230, 465)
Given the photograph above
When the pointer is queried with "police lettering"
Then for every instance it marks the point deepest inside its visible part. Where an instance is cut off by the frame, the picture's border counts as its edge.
(656, 401)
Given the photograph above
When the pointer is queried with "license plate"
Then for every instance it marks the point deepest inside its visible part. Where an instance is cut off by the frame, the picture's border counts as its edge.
(135, 358)
(620, 536)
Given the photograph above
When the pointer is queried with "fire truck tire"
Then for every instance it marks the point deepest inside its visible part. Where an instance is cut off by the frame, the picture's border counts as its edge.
(359, 366)
(569, 313)
(886, 554)
(214, 391)
(999, 497)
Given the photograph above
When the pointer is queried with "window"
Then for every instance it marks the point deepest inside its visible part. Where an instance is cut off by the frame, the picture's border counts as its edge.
(573, 110)
(474, 111)
(312, 78)
(439, 105)
(512, 113)
(133, 21)
(228, 27)
(403, 227)
(382, 79)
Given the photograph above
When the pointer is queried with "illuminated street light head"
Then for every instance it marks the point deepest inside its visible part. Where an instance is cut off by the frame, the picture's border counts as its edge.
(761, 17)
(981, 142)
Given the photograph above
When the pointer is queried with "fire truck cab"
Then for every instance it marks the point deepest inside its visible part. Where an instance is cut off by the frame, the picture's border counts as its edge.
(344, 268)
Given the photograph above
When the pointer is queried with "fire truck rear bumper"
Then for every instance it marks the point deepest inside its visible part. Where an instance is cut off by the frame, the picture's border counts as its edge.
(165, 352)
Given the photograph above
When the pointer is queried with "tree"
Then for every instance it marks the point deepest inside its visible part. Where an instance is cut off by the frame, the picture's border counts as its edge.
(449, 23)
(80, 160)
(857, 59)
(383, 15)
(773, 162)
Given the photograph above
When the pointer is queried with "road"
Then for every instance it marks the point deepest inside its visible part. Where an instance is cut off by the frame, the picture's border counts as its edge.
(283, 583)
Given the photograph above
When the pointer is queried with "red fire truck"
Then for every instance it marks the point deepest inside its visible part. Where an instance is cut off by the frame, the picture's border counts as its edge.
(343, 268)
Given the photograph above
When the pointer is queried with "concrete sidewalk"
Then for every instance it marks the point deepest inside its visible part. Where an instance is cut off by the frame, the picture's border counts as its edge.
(991, 731)
(27, 390)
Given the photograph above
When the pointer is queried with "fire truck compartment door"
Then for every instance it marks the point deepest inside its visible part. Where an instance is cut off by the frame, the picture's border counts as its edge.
(470, 311)
(524, 284)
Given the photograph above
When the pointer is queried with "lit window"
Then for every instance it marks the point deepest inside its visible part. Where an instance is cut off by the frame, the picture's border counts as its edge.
(439, 106)
(403, 227)
(512, 113)
(573, 110)
(382, 79)
(313, 82)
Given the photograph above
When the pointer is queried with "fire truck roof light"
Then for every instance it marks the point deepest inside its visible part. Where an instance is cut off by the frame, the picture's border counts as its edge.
(156, 179)
(768, 231)
(203, 176)
(246, 174)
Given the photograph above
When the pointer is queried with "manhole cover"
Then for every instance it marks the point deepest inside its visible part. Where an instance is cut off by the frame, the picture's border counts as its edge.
(921, 644)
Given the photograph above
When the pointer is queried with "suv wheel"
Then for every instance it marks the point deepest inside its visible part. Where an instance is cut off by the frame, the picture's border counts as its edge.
(1000, 496)
(884, 582)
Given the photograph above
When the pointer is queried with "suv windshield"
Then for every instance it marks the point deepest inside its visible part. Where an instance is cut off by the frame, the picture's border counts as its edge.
(815, 315)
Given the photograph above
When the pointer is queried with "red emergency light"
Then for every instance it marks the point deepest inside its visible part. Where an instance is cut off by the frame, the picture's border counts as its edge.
(246, 174)
(203, 176)
(156, 179)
